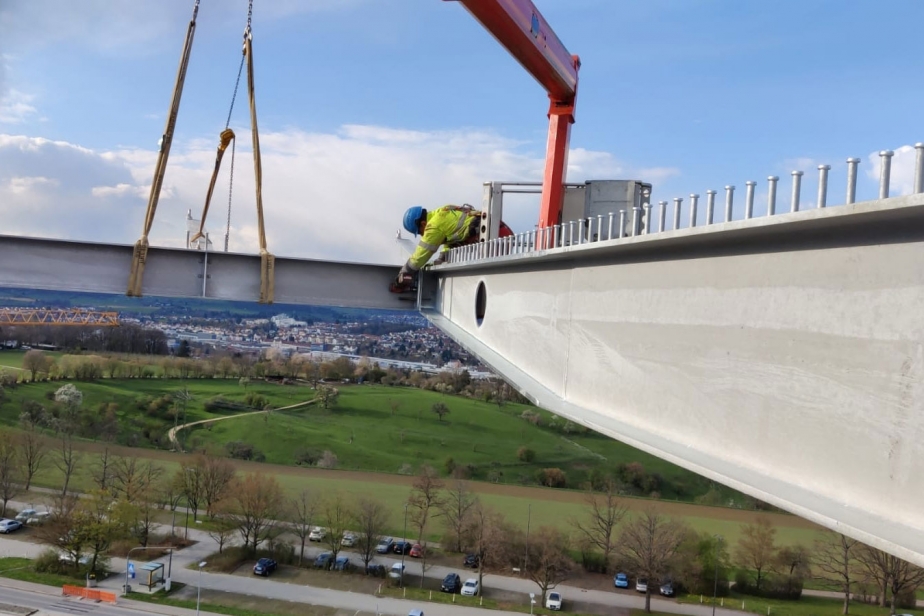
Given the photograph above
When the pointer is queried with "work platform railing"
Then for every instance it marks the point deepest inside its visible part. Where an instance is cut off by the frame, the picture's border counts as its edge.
(613, 226)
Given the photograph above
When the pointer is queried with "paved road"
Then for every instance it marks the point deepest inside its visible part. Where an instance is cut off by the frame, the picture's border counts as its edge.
(354, 601)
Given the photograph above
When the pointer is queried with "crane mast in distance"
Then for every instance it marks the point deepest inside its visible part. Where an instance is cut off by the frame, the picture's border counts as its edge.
(58, 316)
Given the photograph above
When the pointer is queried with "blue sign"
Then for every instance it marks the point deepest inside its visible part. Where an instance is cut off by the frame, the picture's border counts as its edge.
(131, 570)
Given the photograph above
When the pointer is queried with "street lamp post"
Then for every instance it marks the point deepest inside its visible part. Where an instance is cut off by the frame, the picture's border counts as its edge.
(715, 582)
(199, 586)
(404, 545)
(529, 517)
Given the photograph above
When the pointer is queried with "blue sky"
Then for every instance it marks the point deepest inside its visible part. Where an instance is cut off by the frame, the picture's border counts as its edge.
(367, 106)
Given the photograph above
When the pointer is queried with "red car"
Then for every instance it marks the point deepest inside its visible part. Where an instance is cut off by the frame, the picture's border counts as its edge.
(417, 551)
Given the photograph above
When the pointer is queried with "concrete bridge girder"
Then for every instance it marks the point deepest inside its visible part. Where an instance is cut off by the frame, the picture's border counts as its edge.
(784, 358)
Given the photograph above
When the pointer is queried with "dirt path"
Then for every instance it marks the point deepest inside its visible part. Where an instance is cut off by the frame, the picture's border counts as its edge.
(171, 434)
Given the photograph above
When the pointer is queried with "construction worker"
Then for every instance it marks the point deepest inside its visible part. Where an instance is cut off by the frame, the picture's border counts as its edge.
(447, 226)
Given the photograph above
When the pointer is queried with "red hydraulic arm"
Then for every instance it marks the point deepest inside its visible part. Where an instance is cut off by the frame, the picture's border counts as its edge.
(522, 30)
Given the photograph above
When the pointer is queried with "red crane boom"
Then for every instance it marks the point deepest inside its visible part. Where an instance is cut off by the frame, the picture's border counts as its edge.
(524, 32)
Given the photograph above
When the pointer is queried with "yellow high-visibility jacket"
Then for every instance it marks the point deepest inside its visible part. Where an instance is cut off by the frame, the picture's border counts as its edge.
(445, 225)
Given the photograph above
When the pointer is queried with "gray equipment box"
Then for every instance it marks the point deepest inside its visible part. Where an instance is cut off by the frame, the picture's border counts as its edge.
(600, 198)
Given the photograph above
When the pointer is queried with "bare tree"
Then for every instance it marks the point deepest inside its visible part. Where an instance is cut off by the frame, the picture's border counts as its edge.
(101, 469)
(371, 518)
(549, 563)
(441, 410)
(604, 513)
(188, 481)
(62, 529)
(33, 449)
(10, 475)
(456, 510)
(301, 512)
(66, 426)
(647, 544)
(336, 516)
(756, 548)
(425, 499)
(35, 361)
(490, 536)
(134, 477)
(142, 522)
(258, 503)
(217, 477)
(890, 572)
(223, 525)
(834, 557)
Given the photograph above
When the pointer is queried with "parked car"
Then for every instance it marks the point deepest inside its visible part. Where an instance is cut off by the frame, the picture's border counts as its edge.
(317, 534)
(264, 567)
(39, 518)
(415, 613)
(68, 558)
(667, 589)
(24, 515)
(384, 546)
(417, 551)
(470, 588)
(621, 580)
(349, 540)
(323, 560)
(452, 583)
(376, 570)
(401, 547)
(641, 585)
(553, 601)
(471, 560)
(342, 563)
(396, 571)
(9, 526)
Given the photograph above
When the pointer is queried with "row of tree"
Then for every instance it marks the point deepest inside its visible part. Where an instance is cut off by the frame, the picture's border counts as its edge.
(128, 490)
(272, 365)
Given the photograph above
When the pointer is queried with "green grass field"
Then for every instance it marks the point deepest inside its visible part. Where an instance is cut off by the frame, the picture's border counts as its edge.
(806, 606)
(365, 434)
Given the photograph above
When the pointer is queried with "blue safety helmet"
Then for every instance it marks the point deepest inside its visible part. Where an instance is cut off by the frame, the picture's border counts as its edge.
(412, 218)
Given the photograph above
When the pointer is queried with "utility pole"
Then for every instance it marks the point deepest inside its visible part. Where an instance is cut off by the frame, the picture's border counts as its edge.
(715, 583)
(404, 544)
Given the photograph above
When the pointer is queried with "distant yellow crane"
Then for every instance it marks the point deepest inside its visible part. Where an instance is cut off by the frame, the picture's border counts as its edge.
(58, 316)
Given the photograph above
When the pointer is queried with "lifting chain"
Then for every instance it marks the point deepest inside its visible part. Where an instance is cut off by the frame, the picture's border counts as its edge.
(267, 260)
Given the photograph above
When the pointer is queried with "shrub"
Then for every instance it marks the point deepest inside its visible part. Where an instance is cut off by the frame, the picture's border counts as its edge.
(48, 562)
(308, 456)
(256, 401)
(450, 465)
(239, 450)
(552, 478)
(771, 587)
(525, 454)
(328, 459)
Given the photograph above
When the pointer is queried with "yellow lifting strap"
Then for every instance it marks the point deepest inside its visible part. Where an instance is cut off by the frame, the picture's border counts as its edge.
(225, 139)
(267, 261)
(140, 252)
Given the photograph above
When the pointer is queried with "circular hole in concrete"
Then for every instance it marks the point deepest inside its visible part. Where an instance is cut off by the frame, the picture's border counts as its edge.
(481, 303)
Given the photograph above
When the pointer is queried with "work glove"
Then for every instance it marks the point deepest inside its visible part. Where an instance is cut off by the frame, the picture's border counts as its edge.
(403, 281)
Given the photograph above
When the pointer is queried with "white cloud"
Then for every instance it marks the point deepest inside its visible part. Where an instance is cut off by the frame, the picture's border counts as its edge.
(120, 190)
(15, 107)
(333, 196)
(24, 185)
(901, 176)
